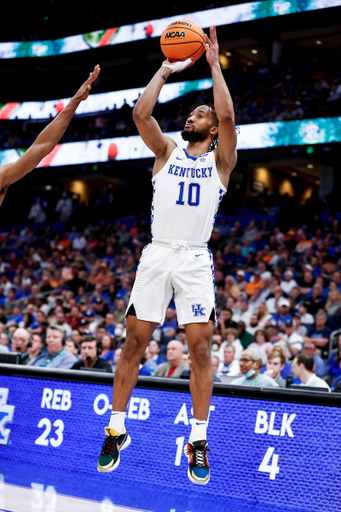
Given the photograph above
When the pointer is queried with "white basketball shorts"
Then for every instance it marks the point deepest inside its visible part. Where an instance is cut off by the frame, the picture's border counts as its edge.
(168, 267)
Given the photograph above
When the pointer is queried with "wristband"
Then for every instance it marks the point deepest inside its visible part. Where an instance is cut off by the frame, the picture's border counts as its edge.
(178, 65)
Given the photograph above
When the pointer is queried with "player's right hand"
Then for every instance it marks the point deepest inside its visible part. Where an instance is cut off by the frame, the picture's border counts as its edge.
(83, 91)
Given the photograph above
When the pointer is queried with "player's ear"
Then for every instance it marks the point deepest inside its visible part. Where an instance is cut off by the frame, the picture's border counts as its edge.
(214, 130)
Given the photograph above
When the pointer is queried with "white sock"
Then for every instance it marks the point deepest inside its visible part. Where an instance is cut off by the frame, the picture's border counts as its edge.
(117, 421)
(198, 432)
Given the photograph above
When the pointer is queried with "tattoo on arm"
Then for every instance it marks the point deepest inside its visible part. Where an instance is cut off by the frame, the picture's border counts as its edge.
(164, 72)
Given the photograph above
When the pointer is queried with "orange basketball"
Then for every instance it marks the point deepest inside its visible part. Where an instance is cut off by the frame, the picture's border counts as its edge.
(181, 40)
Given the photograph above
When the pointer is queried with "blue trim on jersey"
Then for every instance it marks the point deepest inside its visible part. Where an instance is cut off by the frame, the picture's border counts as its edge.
(193, 157)
(189, 156)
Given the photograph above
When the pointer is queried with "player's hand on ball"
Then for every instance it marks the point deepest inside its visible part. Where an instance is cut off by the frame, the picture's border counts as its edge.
(212, 47)
(178, 66)
(83, 91)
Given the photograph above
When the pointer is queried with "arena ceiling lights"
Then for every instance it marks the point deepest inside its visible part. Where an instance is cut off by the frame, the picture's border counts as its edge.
(251, 136)
(221, 16)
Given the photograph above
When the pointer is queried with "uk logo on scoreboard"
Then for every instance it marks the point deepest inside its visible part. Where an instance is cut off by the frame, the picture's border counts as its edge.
(6, 416)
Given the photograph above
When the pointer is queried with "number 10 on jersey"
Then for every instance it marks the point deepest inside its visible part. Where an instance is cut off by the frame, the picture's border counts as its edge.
(193, 196)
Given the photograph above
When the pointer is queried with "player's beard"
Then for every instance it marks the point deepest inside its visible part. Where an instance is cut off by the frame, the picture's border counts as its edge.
(194, 135)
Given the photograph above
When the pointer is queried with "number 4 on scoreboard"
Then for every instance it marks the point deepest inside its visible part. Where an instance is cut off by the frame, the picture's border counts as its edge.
(266, 467)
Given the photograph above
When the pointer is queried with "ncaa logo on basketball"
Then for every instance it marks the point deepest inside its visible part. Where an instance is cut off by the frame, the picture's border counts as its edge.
(6, 416)
(198, 310)
(171, 35)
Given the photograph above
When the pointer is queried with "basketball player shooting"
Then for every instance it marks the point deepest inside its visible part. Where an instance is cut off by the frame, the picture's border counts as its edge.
(46, 140)
(188, 185)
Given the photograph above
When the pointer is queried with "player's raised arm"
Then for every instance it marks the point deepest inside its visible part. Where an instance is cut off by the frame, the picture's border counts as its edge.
(46, 140)
(226, 150)
(147, 126)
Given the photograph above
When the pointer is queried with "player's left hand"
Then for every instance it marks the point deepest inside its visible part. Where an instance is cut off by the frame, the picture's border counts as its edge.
(212, 47)
(83, 91)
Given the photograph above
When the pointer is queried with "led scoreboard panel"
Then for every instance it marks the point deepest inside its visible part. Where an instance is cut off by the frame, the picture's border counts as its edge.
(271, 450)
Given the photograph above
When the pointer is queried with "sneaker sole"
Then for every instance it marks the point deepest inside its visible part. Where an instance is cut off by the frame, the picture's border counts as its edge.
(114, 466)
(194, 481)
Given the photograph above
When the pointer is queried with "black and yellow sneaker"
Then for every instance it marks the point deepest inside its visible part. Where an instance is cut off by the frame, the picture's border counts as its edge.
(109, 458)
(198, 468)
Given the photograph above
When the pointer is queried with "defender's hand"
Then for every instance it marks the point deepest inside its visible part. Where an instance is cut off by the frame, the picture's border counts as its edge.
(84, 90)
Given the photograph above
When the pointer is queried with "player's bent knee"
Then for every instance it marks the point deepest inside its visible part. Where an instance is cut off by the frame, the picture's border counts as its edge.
(200, 354)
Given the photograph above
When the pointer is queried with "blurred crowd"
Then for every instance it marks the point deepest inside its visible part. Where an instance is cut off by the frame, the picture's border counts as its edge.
(63, 298)
(260, 95)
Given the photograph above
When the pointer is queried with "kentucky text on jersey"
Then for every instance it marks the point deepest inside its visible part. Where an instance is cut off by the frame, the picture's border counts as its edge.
(193, 172)
(187, 192)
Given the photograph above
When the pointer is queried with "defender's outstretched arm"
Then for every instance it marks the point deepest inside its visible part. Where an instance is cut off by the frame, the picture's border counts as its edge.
(46, 140)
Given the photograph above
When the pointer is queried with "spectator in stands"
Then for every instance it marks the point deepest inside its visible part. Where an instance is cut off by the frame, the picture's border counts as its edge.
(263, 315)
(316, 301)
(168, 329)
(4, 340)
(333, 302)
(120, 311)
(100, 309)
(262, 343)
(283, 314)
(244, 337)
(72, 346)
(310, 348)
(289, 340)
(254, 283)
(334, 362)
(20, 340)
(241, 282)
(306, 318)
(119, 335)
(250, 365)
(117, 357)
(319, 334)
(61, 322)
(230, 365)
(244, 313)
(225, 320)
(181, 335)
(35, 347)
(153, 357)
(55, 355)
(275, 365)
(187, 372)
(299, 328)
(231, 339)
(303, 367)
(64, 208)
(110, 323)
(175, 365)
(90, 348)
(108, 346)
(215, 364)
(289, 282)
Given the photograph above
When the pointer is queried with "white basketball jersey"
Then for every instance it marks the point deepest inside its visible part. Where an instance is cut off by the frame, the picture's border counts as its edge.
(187, 193)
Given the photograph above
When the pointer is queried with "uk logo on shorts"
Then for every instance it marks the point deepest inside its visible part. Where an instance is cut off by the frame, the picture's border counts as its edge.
(6, 415)
(198, 310)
